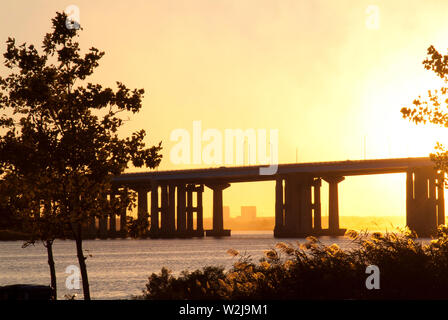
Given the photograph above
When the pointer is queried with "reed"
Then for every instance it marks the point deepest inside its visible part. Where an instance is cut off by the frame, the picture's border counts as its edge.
(408, 268)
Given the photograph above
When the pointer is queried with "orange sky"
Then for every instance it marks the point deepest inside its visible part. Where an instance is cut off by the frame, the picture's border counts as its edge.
(311, 69)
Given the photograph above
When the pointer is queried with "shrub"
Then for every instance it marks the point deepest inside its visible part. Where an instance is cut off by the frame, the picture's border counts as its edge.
(311, 270)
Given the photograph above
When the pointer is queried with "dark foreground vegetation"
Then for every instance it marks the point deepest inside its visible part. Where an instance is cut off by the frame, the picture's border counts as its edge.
(408, 270)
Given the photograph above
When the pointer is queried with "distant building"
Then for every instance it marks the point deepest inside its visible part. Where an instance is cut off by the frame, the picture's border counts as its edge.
(248, 213)
(226, 213)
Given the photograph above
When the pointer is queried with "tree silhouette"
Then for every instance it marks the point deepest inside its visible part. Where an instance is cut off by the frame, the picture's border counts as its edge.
(60, 139)
(23, 198)
(433, 108)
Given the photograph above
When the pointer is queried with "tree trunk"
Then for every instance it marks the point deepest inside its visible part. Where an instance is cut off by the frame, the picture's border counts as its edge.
(82, 263)
(49, 245)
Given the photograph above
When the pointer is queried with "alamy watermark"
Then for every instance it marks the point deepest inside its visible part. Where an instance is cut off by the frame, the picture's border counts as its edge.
(373, 17)
(234, 146)
(73, 281)
(73, 20)
(373, 281)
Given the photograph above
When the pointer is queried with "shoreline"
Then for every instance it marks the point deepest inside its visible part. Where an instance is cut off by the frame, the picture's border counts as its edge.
(12, 235)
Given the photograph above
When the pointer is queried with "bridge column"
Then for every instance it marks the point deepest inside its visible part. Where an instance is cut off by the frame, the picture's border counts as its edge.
(432, 203)
(168, 211)
(171, 217)
(112, 225)
(154, 208)
(200, 211)
(142, 209)
(306, 211)
(190, 208)
(298, 214)
(292, 208)
(85, 232)
(440, 186)
(191, 191)
(123, 213)
(423, 202)
(164, 209)
(218, 220)
(113, 217)
(93, 232)
(317, 212)
(181, 210)
(410, 212)
(123, 225)
(103, 227)
(102, 223)
(279, 208)
(333, 207)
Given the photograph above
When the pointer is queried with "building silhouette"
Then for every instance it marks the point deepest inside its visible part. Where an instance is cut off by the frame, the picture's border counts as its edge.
(248, 213)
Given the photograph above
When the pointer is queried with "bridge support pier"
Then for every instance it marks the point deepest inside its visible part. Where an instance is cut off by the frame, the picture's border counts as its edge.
(102, 220)
(193, 190)
(92, 231)
(440, 196)
(123, 223)
(112, 225)
(200, 211)
(298, 215)
(317, 212)
(170, 226)
(123, 233)
(113, 216)
(163, 210)
(333, 206)
(186, 210)
(154, 229)
(181, 210)
(425, 209)
(166, 214)
(142, 209)
(189, 209)
(306, 211)
(218, 219)
(298, 207)
(279, 207)
(102, 227)
(293, 206)
(163, 217)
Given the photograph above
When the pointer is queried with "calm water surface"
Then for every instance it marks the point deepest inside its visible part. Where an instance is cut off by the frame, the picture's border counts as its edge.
(119, 269)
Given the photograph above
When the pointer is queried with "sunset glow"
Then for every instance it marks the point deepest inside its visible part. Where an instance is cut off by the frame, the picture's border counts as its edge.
(313, 70)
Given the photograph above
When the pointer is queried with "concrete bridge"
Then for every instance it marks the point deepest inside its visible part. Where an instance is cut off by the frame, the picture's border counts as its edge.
(297, 197)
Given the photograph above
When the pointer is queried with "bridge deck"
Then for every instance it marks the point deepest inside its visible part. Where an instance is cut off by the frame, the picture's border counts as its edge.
(251, 173)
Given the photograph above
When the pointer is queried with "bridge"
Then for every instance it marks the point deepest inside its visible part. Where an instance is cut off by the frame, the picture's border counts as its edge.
(297, 195)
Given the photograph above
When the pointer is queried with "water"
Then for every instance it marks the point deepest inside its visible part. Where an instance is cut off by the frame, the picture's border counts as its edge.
(119, 269)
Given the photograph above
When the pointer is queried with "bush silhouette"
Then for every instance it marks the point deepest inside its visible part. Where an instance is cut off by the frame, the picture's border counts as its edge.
(408, 268)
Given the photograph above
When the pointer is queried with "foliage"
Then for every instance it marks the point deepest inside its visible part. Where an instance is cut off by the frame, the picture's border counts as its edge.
(312, 270)
(59, 141)
(200, 284)
(137, 228)
(8, 220)
(61, 137)
(432, 109)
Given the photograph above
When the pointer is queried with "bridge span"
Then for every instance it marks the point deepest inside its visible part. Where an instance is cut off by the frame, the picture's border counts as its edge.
(297, 196)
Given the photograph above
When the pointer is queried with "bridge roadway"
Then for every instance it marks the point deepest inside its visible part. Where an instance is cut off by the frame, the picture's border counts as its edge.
(297, 196)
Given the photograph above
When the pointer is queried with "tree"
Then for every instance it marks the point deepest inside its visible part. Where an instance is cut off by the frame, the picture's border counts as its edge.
(433, 109)
(8, 220)
(24, 199)
(61, 137)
